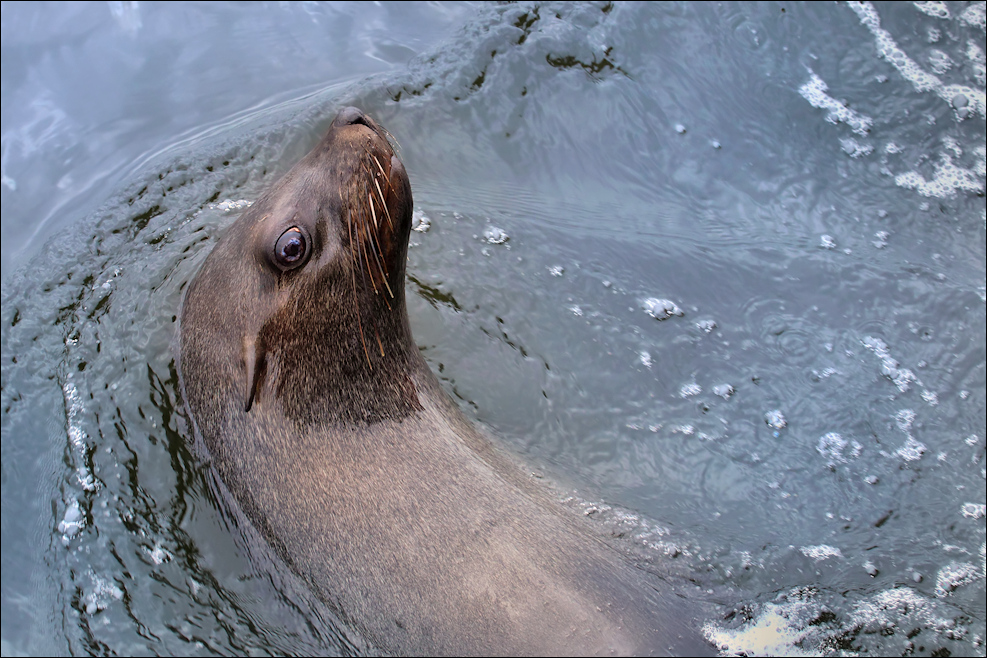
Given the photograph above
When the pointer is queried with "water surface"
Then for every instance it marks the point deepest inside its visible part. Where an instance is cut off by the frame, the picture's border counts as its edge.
(718, 271)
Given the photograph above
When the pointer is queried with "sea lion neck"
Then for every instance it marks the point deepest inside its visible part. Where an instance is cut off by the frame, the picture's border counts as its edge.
(334, 359)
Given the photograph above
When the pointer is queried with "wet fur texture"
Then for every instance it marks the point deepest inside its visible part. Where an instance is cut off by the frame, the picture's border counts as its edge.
(335, 439)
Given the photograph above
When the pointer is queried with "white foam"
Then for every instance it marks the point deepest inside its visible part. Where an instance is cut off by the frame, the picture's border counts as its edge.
(974, 510)
(229, 205)
(660, 309)
(975, 54)
(159, 554)
(495, 235)
(940, 62)
(815, 90)
(902, 377)
(836, 449)
(953, 576)
(72, 522)
(904, 419)
(912, 450)
(934, 9)
(855, 149)
(975, 15)
(77, 436)
(771, 634)
(775, 419)
(420, 222)
(820, 552)
(947, 180)
(103, 592)
(689, 390)
(920, 79)
(723, 390)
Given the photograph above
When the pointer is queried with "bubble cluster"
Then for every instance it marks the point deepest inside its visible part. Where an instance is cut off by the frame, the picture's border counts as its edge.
(229, 205)
(690, 390)
(820, 552)
(775, 419)
(495, 235)
(72, 522)
(975, 15)
(934, 9)
(808, 622)
(815, 90)
(920, 79)
(940, 62)
(420, 222)
(836, 449)
(947, 180)
(723, 390)
(855, 149)
(912, 450)
(902, 377)
(661, 309)
(103, 592)
(953, 576)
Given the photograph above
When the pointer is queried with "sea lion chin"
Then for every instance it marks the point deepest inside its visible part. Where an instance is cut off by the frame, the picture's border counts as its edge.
(332, 435)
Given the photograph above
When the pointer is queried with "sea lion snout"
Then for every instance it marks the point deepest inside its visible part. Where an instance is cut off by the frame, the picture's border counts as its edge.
(349, 116)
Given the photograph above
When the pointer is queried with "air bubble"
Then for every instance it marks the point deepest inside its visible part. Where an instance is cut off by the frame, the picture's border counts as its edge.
(723, 390)
(775, 420)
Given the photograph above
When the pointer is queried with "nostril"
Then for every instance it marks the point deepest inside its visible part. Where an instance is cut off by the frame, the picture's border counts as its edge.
(349, 116)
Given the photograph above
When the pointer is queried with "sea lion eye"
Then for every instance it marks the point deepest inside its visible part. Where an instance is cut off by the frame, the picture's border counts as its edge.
(291, 249)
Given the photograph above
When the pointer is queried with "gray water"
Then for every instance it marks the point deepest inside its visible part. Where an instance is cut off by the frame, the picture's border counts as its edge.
(716, 270)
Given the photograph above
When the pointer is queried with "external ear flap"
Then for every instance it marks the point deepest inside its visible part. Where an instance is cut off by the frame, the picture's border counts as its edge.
(255, 359)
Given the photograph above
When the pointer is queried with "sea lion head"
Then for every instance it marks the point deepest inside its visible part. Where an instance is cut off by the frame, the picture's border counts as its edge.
(299, 311)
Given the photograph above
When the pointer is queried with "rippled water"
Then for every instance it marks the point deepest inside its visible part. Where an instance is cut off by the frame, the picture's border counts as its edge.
(718, 270)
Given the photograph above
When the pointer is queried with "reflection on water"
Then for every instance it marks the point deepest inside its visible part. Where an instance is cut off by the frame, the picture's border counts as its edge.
(719, 272)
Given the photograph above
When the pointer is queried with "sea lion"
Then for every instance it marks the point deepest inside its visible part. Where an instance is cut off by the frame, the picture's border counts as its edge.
(326, 425)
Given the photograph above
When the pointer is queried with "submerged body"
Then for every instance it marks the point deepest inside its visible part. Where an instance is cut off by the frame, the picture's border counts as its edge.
(336, 440)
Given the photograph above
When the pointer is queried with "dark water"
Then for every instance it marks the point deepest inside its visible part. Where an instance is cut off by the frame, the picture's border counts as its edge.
(719, 270)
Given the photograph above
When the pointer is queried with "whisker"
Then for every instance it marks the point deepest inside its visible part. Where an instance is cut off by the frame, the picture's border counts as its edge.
(356, 304)
(379, 344)
(387, 179)
(379, 259)
(383, 204)
(396, 146)
(366, 260)
(373, 212)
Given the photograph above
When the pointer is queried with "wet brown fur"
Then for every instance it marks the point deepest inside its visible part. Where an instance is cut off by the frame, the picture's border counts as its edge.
(336, 440)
